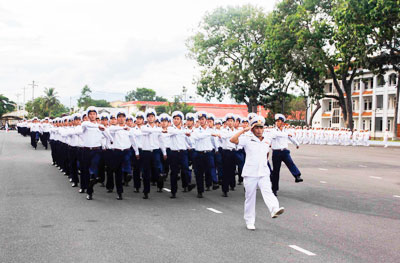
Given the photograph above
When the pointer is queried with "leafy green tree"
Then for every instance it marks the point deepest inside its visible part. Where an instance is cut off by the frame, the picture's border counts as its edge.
(229, 48)
(143, 94)
(50, 99)
(170, 107)
(6, 105)
(85, 100)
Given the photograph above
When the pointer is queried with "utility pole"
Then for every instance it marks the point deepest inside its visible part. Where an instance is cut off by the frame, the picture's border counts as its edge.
(17, 100)
(33, 89)
(24, 88)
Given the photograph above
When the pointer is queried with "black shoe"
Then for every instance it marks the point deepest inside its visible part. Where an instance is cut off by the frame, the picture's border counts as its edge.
(136, 190)
(275, 193)
(225, 194)
(191, 187)
(208, 189)
(109, 190)
(92, 182)
(82, 191)
(215, 187)
(89, 197)
(74, 185)
(199, 195)
(185, 189)
(70, 180)
(146, 196)
(128, 178)
(298, 179)
(232, 188)
(119, 197)
(173, 196)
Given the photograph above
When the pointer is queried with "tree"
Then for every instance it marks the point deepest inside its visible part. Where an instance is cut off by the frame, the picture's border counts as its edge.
(50, 99)
(6, 105)
(85, 100)
(170, 107)
(46, 106)
(230, 50)
(323, 43)
(143, 94)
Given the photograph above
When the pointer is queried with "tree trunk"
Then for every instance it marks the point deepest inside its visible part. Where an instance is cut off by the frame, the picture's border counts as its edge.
(313, 113)
(396, 106)
(349, 106)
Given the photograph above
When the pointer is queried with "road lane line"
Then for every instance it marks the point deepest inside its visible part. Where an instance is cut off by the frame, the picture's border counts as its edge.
(322, 182)
(323, 169)
(166, 189)
(302, 250)
(214, 210)
(397, 196)
(375, 177)
(363, 166)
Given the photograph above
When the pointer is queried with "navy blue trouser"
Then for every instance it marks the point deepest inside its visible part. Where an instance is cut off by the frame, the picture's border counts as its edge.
(118, 163)
(219, 164)
(137, 169)
(90, 159)
(179, 161)
(202, 164)
(277, 158)
(228, 164)
(152, 167)
(240, 157)
(73, 164)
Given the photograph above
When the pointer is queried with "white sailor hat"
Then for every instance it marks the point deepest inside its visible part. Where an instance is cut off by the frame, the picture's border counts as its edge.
(244, 120)
(201, 114)
(47, 118)
(77, 116)
(35, 119)
(140, 114)
(279, 116)
(251, 115)
(83, 115)
(257, 121)
(163, 117)
(177, 114)
(190, 116)
(71, 118)
(229, 116)
(112, 116)
(238, 118)
(65, 118)
(121, 112)
(218, 121)
(129, 117)
(104, 116)
(210, 116)
(91, 108)
(150, 111)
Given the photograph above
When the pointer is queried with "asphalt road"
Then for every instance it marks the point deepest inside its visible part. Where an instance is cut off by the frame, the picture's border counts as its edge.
(346, 210)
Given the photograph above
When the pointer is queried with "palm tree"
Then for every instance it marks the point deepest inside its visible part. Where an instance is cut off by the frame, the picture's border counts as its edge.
(50, 99)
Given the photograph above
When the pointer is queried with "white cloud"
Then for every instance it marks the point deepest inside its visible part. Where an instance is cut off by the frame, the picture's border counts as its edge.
(113, 46)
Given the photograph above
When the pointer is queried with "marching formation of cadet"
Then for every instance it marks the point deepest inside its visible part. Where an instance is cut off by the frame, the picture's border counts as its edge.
(111, 150)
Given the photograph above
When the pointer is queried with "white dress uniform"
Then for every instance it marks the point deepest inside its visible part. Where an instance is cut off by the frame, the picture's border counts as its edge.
(256, 174)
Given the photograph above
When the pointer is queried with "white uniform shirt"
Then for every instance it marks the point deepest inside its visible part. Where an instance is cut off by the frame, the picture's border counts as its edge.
(256, 164)
(203, 139)
(151, 138)
(178, 139)
(122, 139)
(226, 135)
(280, 139)
(91, 135)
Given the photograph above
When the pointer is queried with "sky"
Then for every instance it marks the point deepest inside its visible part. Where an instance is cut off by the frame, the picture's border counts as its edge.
(111, 46)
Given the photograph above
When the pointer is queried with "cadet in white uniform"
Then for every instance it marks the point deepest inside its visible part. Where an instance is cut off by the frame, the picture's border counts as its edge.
(256, 171)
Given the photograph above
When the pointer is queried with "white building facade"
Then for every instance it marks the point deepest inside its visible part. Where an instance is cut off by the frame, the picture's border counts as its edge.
(374, 104)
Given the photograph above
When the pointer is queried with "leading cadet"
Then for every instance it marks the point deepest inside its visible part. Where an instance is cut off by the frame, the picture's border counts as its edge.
(280, 152)
(256, 171)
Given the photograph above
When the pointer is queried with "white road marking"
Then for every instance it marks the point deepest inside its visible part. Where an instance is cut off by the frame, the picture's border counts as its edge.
(397, 196)
(375, 177)
(214, 210)
(363, 166)
(322, 182)
(302, 250)
(323, 169)
(166, 189)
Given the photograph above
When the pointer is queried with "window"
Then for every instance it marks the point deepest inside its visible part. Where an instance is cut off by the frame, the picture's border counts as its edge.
(335, 105)
(368, 83)
(379, 101)
(364, 124)
(336, 117)
(368, 104)
(357, 85)
(389, 125)
(330, 106)
(381, 80)
(392, 79)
